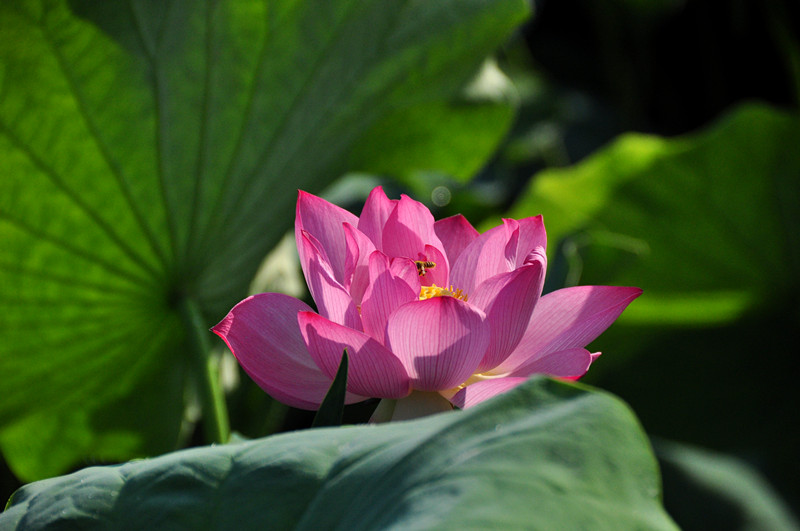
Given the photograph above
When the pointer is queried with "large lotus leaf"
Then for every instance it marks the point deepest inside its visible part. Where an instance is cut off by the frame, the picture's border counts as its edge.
(706, 224)
(709, 226)
(480, 120)
(151, 154)
(547, 455)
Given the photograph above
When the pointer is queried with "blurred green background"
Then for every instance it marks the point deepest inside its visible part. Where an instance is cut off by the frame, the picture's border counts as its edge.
(151, 154)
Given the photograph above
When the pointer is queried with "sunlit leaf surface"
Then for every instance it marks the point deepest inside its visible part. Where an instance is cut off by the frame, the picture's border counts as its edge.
(705, 224)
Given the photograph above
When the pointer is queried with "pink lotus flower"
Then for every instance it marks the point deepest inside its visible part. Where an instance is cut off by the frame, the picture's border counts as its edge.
(421, 305)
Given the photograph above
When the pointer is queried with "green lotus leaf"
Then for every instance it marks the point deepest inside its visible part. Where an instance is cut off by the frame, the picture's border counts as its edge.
(546, 455)
(151, 154)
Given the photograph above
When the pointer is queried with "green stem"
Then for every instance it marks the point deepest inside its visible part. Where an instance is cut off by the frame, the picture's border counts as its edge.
(212, 400)
(420, 404)
(384, 411)
(416, 405)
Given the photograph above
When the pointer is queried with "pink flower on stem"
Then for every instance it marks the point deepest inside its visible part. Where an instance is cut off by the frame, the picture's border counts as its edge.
(432, 313)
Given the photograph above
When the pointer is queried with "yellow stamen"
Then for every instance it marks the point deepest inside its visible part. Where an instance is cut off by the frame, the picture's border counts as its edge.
(428, 292)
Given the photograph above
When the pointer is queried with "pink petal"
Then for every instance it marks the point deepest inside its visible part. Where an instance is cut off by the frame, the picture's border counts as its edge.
(531, 236)
(373, 370)
(262, 333)
(373, 217)
(455, 233)
(386, 292)
(406, 269)
(485, 257)
(356, 265)
(440, 341)
(508, 299)
(510, 250)
(323, 220)
(569, 318)
(332, 300)
(485, 389)
(408, 230)
(572, 364)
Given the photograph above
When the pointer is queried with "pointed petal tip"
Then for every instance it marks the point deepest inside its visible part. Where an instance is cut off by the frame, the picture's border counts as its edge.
(262, 334)
(302, 196)
(568, 364)
(633, 290)
(222, 328)
(626, 294)
(538, 220)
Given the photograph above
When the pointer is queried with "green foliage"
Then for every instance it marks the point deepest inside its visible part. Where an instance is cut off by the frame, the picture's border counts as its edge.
(151, 153)
(713, 491)
(479, 118)
(548, 455)
(709, 226)
(332, 407)
(703, 223)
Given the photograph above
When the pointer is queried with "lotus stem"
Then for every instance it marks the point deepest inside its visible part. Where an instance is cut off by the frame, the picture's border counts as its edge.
(212, 399)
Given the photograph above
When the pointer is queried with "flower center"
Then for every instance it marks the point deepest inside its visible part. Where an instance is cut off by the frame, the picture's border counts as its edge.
(428, 292)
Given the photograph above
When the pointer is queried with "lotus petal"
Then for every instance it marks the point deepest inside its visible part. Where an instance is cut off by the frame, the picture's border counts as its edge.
(262, 333)
(373, 370)
(440, 341)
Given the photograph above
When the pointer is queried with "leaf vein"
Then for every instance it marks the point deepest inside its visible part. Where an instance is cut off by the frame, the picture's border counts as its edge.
(113, 166)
